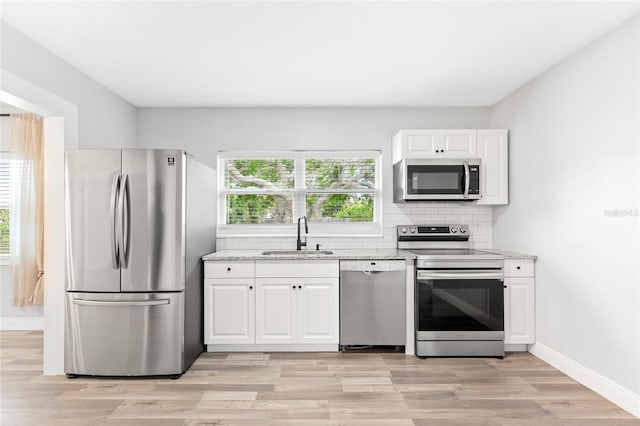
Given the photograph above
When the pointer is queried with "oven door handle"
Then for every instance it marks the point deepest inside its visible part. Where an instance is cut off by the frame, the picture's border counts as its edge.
(424, 275)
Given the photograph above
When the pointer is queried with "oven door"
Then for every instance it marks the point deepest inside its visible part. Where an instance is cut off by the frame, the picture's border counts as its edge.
(459, 305)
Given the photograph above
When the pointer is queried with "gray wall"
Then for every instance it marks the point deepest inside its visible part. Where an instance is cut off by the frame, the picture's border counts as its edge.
(574, 156)
(205, 131)
(104, 119)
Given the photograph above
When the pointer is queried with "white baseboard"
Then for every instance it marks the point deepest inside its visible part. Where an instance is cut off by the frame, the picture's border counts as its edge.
(25, 323)
(619, 395)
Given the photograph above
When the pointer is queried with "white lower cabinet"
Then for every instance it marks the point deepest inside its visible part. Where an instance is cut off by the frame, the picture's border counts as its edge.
(276, 311)
(229, 311)
(297, 310)
(284, 305)
(318, 315)
(519, 302)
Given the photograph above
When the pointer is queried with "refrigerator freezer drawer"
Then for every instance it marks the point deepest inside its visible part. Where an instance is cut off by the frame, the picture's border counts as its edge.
(125, 334)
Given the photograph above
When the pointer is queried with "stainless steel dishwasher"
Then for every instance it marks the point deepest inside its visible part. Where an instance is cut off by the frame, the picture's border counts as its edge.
(372, 303)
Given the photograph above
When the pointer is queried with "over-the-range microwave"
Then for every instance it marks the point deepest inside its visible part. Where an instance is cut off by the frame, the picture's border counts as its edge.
(444, 179)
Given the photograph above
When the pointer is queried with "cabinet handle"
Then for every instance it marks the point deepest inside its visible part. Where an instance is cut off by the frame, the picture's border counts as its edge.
(294, 287)
(505, 286)
(250, 287)
(517, 267)
(228, 269)
(299, 286)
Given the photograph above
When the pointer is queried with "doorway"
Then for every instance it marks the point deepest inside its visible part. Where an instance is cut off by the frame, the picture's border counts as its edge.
(59, 131)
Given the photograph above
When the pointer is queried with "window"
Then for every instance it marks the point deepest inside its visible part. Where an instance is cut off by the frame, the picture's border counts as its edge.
(263, 193)
(5, 200)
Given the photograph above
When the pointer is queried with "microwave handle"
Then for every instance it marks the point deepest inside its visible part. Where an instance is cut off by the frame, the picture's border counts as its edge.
(466, 178)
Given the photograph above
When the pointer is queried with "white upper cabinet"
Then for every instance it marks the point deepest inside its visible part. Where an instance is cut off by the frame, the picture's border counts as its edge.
(490, 145)
(493, 150)
(434, 143)
(458, 143)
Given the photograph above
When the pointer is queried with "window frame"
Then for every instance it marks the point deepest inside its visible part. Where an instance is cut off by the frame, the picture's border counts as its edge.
(350, 229)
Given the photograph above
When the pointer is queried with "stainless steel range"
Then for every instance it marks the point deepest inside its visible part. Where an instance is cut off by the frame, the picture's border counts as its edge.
(459, 299)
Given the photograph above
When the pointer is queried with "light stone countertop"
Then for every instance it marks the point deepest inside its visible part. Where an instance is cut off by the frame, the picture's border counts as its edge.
(356, 254)
(512, 255)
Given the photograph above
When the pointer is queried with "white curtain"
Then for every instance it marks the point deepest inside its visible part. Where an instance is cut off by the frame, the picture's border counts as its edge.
(27, 209)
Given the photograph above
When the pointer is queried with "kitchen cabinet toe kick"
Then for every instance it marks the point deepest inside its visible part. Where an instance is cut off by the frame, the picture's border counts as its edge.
(260, 347)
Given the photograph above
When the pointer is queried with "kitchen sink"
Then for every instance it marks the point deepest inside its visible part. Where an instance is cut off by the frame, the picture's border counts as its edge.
(300, 252)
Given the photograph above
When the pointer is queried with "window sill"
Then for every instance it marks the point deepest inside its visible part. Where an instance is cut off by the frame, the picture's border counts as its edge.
(319, 230)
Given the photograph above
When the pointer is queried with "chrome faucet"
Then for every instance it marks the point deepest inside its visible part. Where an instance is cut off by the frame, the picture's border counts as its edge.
(299, 243)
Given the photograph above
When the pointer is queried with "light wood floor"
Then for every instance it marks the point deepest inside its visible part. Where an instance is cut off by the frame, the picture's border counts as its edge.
(304, 389)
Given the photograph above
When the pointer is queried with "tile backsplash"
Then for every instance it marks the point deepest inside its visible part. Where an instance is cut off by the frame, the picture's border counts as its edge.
(479, 219)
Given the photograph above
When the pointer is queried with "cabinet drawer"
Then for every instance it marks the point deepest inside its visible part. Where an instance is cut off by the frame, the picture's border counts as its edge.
(235, 269)
(518, 268)
(296, 269)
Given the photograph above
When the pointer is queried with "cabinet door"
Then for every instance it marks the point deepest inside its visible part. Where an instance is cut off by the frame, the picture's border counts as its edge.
(229, 311)
(318, 305)
(457, 143)
(433, 143)
(276, 316)
(519, 315)
(437, 143)
(494, 171)
(421, 143)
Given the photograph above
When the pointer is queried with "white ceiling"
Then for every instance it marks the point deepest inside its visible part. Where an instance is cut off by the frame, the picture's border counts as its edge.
(328, 53)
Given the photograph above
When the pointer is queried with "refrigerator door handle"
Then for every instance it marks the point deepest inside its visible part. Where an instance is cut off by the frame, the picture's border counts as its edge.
(124, 208)
(122, 303)
(113, 220)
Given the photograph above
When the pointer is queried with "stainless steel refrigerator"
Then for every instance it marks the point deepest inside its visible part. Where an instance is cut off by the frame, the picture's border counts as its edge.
(137, 224)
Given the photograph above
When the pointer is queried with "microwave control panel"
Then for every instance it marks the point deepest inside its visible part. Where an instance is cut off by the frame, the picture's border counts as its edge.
(474, 180)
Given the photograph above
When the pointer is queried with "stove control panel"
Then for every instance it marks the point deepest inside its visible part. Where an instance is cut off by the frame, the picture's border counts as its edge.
(440, 230)
(455, 235)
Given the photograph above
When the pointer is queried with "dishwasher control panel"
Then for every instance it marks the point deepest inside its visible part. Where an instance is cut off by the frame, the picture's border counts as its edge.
(372, 265)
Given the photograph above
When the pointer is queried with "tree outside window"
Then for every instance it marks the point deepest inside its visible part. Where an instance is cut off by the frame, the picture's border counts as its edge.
(329, 188)
(5, 242)
(5, 185)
